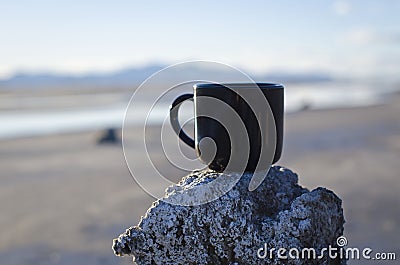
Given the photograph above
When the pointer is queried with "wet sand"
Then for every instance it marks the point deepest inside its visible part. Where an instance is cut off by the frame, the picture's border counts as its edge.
(63, 198)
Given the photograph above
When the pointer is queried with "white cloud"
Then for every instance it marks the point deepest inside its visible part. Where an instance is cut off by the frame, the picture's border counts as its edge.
(361, 36)
(366, 36)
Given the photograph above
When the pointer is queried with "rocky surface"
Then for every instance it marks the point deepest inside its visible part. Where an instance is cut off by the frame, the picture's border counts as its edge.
(233, 228)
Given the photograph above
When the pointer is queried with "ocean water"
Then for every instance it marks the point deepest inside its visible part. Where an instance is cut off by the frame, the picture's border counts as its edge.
(27, 121)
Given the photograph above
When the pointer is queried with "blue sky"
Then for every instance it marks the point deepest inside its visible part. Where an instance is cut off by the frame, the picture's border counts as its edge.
(359, 38)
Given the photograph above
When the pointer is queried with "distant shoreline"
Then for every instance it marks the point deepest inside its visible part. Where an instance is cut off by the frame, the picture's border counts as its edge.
(27, 124)
(33, 115)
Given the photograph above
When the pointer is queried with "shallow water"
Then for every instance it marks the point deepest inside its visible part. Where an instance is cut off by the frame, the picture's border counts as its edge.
(25, 121)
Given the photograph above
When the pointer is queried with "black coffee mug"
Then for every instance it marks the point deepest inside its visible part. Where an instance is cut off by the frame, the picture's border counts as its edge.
(218, 109)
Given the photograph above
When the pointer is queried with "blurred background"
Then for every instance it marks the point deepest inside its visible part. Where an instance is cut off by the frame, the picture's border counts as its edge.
(69, 68)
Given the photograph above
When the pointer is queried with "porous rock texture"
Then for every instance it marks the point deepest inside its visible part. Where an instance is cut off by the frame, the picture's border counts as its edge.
(232, 228)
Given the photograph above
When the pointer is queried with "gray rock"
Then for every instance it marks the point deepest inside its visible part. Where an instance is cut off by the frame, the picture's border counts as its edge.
(236, 226)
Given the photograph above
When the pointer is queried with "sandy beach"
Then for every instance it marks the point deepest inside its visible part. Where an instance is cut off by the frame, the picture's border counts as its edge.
(63, 198)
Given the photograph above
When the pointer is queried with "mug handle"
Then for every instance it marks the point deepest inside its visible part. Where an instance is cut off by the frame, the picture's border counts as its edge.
(173, 118)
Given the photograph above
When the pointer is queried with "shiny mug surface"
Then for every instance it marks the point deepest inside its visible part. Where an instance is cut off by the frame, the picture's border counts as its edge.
(217, 107)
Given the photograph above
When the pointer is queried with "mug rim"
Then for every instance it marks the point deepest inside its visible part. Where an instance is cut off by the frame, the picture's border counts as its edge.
(238, 85)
